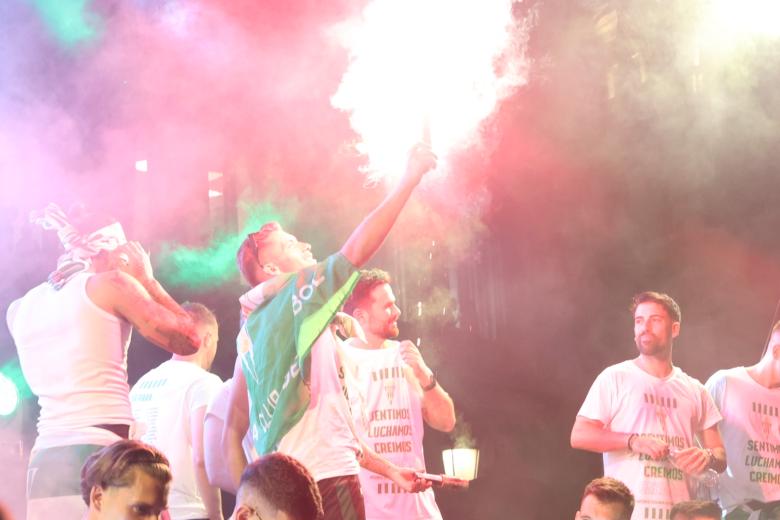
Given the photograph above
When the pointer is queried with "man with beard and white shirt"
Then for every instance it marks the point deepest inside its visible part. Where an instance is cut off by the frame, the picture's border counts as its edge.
(749, 401)
(397, 392)
(645, 416)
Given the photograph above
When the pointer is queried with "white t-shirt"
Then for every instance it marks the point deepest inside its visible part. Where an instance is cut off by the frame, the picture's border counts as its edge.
(324, 440)
(163, 401)
(218, 407)
(391, 423)
(627, 399)
(74, 357)
(751, 434)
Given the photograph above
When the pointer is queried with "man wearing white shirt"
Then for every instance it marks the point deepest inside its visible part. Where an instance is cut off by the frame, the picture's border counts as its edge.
(749, 401)
(645, 416)
(397, 392)
(169, 402)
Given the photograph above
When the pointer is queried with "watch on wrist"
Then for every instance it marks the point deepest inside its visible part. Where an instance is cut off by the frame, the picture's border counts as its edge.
(431, 384)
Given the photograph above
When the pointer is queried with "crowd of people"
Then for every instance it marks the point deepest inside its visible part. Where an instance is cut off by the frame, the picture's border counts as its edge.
(323, 416)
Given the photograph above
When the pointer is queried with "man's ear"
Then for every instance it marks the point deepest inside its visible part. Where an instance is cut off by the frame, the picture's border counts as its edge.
(242, 513)
(96, 497)
(675, 329)
(271, 269)
(360, 315)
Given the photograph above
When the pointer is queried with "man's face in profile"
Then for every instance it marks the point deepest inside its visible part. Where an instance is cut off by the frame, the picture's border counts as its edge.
(592, 509)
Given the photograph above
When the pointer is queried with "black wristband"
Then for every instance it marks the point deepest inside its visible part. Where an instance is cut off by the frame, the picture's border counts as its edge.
(432, 384)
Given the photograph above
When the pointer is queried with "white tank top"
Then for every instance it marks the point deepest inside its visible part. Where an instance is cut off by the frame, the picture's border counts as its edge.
(74, 357)
(390, 421)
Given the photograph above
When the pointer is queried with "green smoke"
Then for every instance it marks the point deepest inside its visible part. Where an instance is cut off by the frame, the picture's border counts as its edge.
(71, 21)
(213, 265)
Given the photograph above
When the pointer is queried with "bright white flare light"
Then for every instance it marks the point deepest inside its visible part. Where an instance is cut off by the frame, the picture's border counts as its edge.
(142, 166)
(427, 62)
(747, 17)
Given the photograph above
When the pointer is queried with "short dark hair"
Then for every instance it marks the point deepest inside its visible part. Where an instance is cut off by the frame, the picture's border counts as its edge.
(200, 313)
(248, 255)
(369, 279)
(285, 483)
(113, 466)
(664, 300)
(610, 491)
(696, 508)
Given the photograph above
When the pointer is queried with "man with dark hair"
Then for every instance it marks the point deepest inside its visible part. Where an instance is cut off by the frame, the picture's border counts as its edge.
(696, 510)
(127, 480)
(277, 487)
(72, 334)
(749, 401)
(645, 416)
(605, 498)
(398, 392)
(169, 402)
(288, 382)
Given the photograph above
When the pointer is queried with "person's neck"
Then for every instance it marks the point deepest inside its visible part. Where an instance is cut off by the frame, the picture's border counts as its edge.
(658, 366)
(766, 373)
(194, 359)
(374, 342)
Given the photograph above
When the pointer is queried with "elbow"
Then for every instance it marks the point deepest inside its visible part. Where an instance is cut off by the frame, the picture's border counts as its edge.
(575, 441)
(185, 344)
(448, 425)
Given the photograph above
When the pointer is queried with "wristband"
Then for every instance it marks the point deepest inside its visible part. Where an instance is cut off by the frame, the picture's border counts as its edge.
(432, 384)
(712, 457)
(630, 441)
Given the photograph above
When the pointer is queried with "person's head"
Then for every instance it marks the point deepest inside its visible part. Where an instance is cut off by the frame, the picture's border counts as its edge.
(696, 510)
(207, 329)
(606, 498)
(372, 304)
(277, 487)
(271, 251)
(127, 480)
(656, 322)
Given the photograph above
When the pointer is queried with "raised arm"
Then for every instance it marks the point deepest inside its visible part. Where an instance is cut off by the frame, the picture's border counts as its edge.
(122, 295)
(134, 294)
(236, 426)
(591, 435)
(371, 233)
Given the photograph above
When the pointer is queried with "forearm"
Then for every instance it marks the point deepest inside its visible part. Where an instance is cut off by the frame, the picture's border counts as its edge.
(371, 233)
(597, 439)
(439, 409)
(161, 296)
(210, 494)
(372, 461)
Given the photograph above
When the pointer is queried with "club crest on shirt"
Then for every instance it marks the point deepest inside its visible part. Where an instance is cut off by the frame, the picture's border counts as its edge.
(763, 413)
